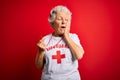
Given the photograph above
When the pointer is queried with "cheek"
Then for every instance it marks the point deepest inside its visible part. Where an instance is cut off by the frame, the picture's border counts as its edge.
(56, 28)
(57, 23)
(68, 24)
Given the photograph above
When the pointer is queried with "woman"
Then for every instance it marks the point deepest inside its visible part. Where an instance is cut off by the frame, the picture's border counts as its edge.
(59, 52)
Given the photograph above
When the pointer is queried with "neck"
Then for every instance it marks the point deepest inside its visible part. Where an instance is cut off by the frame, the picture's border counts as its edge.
(56, 35)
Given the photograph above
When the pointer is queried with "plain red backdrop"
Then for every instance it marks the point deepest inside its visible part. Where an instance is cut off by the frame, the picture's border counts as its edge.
(24, 22)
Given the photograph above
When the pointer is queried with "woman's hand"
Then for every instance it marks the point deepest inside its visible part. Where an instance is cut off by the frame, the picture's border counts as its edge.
(40, 56)
(66, 33)
(41, 45)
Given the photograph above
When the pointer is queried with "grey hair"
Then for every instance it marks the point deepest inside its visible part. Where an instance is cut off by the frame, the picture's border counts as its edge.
(56, 9)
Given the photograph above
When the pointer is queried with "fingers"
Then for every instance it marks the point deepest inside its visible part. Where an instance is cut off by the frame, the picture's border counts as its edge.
(67, 30)
(41, 44)
(42, 40)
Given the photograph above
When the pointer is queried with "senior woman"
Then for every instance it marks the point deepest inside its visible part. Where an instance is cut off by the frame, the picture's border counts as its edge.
(59, 52)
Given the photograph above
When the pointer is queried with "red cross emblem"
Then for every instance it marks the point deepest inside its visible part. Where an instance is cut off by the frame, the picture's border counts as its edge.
(58, 57)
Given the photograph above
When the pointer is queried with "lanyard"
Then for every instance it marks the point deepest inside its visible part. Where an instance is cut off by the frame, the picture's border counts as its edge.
(51, 39)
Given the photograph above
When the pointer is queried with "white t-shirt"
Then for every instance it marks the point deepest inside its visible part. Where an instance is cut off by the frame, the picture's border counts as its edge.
(59, 61)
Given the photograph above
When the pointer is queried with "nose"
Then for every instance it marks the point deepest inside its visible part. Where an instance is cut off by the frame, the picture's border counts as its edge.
(63, 21)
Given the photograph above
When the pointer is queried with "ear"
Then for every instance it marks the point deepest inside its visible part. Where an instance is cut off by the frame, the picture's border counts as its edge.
(52, 24)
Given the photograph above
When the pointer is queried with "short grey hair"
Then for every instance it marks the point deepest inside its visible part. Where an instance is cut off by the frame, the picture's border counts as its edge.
(56, 9)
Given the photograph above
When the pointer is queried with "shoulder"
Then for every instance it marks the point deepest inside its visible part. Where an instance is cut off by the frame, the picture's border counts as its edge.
(47, 36)
(73, 35)
(75, 38)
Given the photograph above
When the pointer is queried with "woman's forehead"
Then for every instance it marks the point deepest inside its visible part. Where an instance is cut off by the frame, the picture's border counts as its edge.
(62, 14)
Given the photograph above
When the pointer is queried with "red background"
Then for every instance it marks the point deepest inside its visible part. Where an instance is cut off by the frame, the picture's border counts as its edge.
(24, 22)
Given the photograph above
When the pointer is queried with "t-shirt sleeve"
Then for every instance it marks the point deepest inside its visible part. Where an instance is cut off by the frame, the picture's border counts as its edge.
(76, 39)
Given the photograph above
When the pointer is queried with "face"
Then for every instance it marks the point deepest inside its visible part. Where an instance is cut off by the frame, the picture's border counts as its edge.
(62, 21)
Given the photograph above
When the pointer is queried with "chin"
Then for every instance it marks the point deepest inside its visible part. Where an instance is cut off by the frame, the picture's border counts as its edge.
(61, 34)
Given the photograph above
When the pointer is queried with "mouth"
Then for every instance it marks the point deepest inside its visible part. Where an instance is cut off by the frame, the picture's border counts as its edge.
(63, 27)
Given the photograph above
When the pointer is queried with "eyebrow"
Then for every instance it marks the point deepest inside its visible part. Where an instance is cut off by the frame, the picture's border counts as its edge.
(62, 17)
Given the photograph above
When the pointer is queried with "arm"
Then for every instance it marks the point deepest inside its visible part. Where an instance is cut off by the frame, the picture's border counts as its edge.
(40, 57)
(76, 50)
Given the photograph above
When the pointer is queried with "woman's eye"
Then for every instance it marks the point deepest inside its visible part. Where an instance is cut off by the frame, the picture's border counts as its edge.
(59, 19)
(66, 19)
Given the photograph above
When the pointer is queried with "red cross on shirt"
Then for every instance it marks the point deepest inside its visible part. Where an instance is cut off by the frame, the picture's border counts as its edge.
(58, 57)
